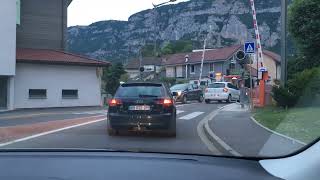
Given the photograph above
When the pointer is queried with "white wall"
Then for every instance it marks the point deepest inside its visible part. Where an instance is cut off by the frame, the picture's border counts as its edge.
(133, 73)
(54, 78)
(7, 37)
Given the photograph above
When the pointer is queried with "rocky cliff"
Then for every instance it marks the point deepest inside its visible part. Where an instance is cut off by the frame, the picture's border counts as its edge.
(224, 22)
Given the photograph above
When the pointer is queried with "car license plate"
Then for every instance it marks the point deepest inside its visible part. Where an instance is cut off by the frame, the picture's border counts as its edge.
(139, 108)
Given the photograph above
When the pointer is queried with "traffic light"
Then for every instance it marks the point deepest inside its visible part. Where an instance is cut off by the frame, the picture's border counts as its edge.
(240, 55)
(243, 59)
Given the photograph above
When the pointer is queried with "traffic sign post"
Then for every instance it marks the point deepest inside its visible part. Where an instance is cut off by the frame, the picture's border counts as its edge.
(263, 69)
(249, 48)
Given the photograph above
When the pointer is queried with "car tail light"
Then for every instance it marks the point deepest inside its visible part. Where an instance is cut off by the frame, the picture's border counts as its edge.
(225, 89)
(114, 102)
(207, 90)
(165, 102)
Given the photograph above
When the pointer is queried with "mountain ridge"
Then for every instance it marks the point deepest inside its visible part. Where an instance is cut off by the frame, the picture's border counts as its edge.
(230, 21)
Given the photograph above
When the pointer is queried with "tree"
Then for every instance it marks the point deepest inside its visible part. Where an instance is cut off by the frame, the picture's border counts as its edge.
(124, 77)
(304, 26)
(179, 46)
(111, 77)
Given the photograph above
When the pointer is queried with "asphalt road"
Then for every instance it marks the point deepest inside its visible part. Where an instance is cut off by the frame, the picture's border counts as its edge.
(94, 136)
(31, 116)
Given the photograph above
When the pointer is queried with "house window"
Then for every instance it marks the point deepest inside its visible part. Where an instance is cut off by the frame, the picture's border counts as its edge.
(211, 67)
(37, 93)
(69, 94)
(192, 69)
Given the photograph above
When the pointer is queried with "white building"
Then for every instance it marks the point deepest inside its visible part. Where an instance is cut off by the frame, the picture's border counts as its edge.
(31, 77)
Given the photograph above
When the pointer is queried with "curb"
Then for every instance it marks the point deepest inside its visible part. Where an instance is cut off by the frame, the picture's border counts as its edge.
(279, 134)
(213, 137)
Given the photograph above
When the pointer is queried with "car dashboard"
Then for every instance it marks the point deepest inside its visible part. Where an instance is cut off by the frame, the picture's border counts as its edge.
(122, 165)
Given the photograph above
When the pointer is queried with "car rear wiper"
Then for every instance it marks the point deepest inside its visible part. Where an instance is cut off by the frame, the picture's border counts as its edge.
(145, 95)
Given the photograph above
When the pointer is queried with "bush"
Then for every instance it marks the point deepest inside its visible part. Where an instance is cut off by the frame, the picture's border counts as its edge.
(306, 86)
(283, 97)
(182, 81)
(168, 81)
(302, 90)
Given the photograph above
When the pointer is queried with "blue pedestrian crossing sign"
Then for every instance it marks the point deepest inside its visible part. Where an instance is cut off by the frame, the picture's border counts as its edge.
(249, 48)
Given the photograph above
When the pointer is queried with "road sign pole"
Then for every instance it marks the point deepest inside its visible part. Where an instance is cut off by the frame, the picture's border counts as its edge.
(251, 96)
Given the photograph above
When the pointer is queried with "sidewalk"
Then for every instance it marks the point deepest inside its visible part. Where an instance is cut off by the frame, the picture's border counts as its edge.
(236, 128)
(35, 111)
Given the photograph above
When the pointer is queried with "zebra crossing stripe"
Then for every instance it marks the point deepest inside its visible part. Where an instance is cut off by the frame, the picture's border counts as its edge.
(179, 111)
(191, 115)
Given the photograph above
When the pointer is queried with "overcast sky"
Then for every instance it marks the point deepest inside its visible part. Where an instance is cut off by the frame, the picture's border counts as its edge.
(85, 12)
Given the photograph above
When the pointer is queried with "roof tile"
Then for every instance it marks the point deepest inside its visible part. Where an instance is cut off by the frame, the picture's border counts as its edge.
(56, 57)
(221, 54)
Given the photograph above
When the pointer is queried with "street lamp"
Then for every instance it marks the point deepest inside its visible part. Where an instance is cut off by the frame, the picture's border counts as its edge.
(186, 61)
(155, 6)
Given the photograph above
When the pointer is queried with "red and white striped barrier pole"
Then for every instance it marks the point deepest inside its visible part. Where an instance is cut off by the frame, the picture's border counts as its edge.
(257, 33)
(260, 56)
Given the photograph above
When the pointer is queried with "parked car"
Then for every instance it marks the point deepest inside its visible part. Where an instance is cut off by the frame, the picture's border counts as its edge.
(222, 91)
(142, 107)
(186, 92)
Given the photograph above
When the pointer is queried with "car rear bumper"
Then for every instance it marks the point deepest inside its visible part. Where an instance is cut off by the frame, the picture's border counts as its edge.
(145, 122)
(216, 96)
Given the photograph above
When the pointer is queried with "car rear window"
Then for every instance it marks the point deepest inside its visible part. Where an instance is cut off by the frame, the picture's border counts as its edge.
(217, 85)
(140, 90)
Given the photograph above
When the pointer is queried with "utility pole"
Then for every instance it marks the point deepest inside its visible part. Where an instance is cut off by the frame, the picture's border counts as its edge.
(203, 56)
(284, 62)
(140, 62)
(204, 53)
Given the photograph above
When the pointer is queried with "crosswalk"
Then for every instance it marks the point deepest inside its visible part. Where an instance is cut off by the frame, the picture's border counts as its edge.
(191, 115)
(181, 115)
(179, 112)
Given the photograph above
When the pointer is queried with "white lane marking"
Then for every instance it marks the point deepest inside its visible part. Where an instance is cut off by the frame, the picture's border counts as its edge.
(179, 111)
(191, 115)
(50, 132)
(92, 112)
(191, 103)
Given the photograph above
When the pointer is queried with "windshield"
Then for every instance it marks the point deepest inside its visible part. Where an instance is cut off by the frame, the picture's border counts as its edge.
(217, 85)
(179, 87)
(207, 77)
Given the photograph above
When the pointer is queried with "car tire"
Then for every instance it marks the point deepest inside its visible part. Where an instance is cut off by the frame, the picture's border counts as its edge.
(184, 99)
(219, 101)
(229, 98)
(207, 101)
(111, 131)
(200, 99)
(172, 132)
